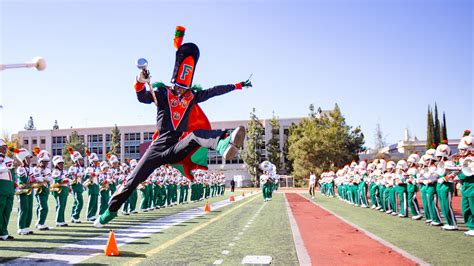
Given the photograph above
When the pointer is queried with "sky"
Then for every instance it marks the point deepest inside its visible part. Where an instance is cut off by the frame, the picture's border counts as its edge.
(380, 61)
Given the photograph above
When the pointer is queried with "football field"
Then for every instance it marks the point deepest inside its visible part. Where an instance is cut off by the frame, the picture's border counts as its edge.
(289, 230)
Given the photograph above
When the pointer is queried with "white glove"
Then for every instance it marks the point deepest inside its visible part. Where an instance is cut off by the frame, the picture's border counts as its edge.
(39, 179)
(441, 180)
(142, 77)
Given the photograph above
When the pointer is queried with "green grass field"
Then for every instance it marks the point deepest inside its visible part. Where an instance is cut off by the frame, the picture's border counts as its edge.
(206, 236)
(24, 245)
(431, 244)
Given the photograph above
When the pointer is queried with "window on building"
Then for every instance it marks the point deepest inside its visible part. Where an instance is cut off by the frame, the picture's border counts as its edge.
(34, 141)
(43, 141)
(95, 138)
(132, 136)
(25, 141)
(148, 136)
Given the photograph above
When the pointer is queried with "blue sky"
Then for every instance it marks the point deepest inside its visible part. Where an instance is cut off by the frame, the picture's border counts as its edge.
(381, 61)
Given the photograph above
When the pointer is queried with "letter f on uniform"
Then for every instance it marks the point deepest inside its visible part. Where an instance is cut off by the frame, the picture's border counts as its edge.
(187, 69)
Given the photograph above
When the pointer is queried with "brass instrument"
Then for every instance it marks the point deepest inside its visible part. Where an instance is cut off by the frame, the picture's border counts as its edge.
(25, 189)
(55, 188)
(104, 186)
(467, 166)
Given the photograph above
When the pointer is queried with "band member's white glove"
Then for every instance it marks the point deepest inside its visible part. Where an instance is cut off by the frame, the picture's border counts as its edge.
(143, 76)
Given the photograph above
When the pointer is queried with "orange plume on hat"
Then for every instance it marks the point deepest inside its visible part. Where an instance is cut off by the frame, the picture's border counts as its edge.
(88, 152)
(36, 150)
(178, 36)
(13, 149)
(71, 151)
(107, 155)
(467, 132)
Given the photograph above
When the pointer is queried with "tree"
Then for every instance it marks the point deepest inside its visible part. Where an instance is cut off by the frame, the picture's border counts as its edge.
(323, 143)
(74, 142)
(288, 163)
(379, 138)
(255, 142)
(273, 145)
(444, 131)
(429, 130)
(30, 125)
(115, 141)
(437, 127)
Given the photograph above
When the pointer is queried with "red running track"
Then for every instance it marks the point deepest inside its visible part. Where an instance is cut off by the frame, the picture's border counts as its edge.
(330, 241)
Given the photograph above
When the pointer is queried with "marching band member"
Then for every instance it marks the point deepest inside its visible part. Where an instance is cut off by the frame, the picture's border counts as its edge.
(104, 183)
(400, 178)
(24, 192)
(124, 172)
(113, 173)
(133, 199)
(412, 187)
(445, 186)
(76, 173)
(60, 189)
(7, 190)
(42, 176)
(91, 184)
(430, 179)
(466, 151)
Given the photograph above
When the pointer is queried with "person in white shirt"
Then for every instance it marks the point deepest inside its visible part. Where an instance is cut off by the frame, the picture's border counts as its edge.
(312, 184)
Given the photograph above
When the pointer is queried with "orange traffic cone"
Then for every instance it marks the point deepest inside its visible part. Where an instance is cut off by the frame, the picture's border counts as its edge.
(111, 248)
(243, 194)
(207, 208)
(231, 198)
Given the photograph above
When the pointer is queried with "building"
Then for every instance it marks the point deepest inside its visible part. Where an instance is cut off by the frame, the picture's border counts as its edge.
(404, 148)
(132, 137)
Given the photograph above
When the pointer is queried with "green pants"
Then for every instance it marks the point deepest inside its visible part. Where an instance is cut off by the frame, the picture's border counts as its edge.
(392, 198)
(424, 201)
(6, 206)
(104, 201)
(92, 205)
(402, 196)
(156, 196)
(25, 210)
(445, 194)
(432, 198)
(162, 196)
(42, 207)
(362, 193)
(133, 200)
(61, 200)
(372, 192)
(181, 194)
(467, 204)
(145, 198)
(382, 195)
(412, 201)
(77, 205)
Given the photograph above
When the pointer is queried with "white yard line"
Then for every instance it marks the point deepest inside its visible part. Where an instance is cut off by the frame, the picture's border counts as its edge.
(301, 252)
(83, 250)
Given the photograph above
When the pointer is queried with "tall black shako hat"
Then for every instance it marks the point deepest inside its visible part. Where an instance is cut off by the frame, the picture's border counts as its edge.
(187, 57)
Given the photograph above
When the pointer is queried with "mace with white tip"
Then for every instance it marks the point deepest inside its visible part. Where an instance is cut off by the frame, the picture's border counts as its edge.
(38, 62)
